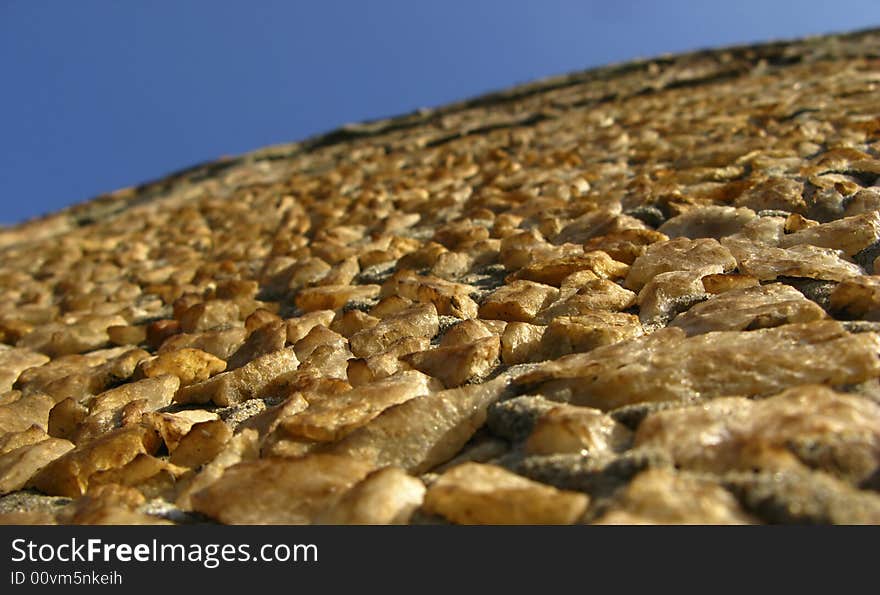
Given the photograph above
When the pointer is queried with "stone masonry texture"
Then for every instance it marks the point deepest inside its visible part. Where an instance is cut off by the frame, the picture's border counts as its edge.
(647, 293)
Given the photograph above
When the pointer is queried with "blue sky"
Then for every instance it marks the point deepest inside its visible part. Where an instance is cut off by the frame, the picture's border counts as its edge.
(99, 95)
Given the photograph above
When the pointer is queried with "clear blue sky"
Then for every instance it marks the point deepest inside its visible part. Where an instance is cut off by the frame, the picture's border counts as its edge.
(98, 95)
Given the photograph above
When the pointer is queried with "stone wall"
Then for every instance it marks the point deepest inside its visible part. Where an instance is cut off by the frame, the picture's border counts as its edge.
(645, 293)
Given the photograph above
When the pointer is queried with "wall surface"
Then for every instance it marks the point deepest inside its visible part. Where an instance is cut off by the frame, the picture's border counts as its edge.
(644, 293)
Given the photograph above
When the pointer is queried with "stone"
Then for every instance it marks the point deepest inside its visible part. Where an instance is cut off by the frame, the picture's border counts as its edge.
(552, 272)
(719, 283)
(86, 334)
(69, 474)
(625, 245)
(457, 364)
(451, 265)
(857, 297)
(157, 391)
(575, 281)
(353, 321)
(159, 331)
(331, 418)
(521, 248)
(756, 307)
(262, 341)
(767, 229)
(593, 223)
(27, 517)
(667, 366)
(12, 440)
(243, 446)
(795, 222)
(668, 294)
(865, 200)
(9, 397)
(204, 441)
(570, 429)
(333, 297)
(127, 334)
(221, 344)
(775, 193)
(188, 365)
(389, 306)
(327, 360)
(452, 236)
(172, 427)
(417, 321)
(705, 256)
(12, 330)
(278, 491)
(342, 273)
(425, 256)
(514, 419)
(318, 336)
(767, 263)
(251, 381)
(110, 505)
(299, 275)
(518, 301)
(522, 343)
(210, 315)
(665, 497)
(151, 476)
(185, 302)
(259, 318)
(424, 432)
(449, 298)
(361, 371)
(479, 494)
(576, 334)
(18, 465)
(480, 449)
(387, 496)
(266, 421)
(736, 434)
(299, 327)
(14, 361)
(468, 331)
(375, 367)
(65, 418)
(24, 412)
(707, 222)
(302, 381)
(597, 294)
(108, 410)
(850, 235)
(82, 377)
